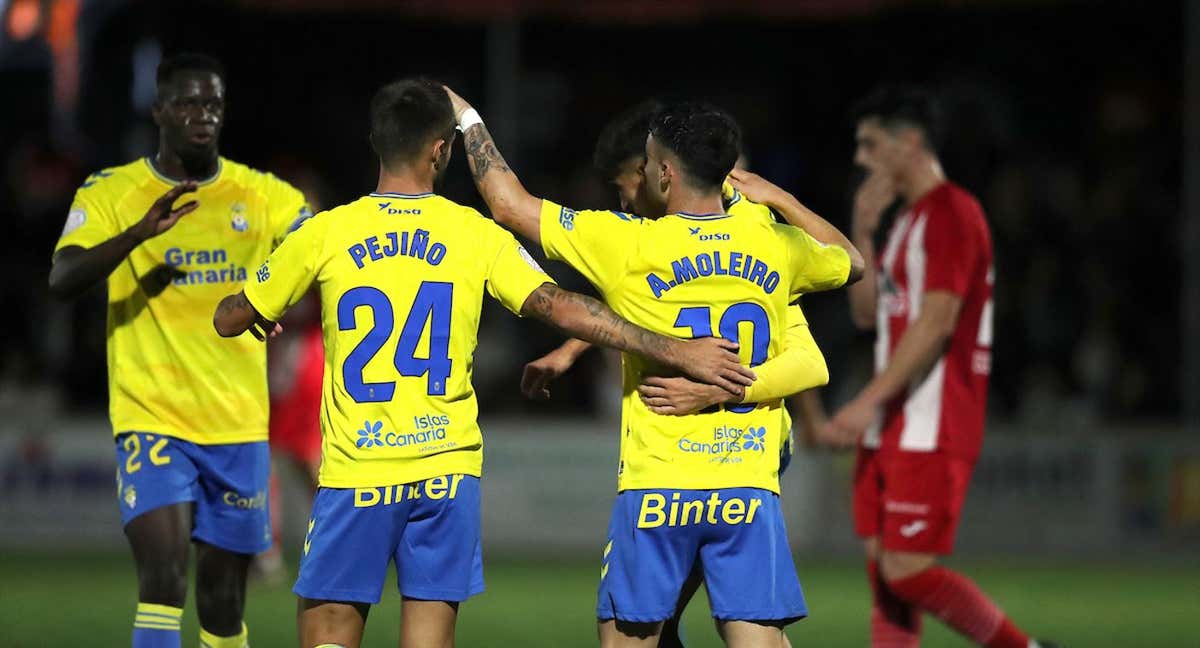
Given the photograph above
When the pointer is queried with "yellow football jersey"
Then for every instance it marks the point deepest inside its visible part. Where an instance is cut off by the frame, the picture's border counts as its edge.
(729, 275)
(168, 371)
(402, 280)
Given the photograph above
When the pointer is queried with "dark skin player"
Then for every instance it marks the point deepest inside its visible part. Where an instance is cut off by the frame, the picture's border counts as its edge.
(189, 112)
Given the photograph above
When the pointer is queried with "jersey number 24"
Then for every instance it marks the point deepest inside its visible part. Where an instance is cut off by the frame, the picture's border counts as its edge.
(431, 306)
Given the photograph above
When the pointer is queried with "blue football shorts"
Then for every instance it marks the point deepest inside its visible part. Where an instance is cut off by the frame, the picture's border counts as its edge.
(735, 535)
(429, 529)
(227, 483)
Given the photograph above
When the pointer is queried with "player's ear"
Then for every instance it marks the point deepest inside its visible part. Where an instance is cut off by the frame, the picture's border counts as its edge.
(441, 152)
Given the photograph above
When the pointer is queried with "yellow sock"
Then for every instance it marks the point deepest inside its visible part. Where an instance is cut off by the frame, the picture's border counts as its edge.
(210, 640)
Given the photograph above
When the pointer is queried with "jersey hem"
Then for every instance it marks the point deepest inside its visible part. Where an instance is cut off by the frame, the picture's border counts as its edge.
(653, 484)
(401, 477)
(222, 439)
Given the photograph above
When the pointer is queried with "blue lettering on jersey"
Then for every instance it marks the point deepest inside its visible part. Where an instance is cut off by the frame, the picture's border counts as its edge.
(705, 264)
(566, 218)
(95, 177)
(411, 244)
(177, 257)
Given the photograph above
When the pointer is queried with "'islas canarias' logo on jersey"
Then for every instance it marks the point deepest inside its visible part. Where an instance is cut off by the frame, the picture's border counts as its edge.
(727, 440)
(715, 264)
(427, 431)
(203, 266)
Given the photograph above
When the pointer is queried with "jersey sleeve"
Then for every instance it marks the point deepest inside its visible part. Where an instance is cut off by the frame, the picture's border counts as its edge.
(286, 275)
(798, 367)
(512, 273)
(737, 204)
(814, 266)
(287, 208)
(950, 251)
(596, 243)
(92, 218)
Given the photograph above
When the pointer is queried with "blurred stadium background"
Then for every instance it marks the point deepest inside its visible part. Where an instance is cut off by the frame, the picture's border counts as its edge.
(1077, 124)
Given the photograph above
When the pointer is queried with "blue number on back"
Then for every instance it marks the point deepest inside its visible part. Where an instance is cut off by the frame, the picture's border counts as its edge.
(433, 303)
(352, 369)
(699, 319)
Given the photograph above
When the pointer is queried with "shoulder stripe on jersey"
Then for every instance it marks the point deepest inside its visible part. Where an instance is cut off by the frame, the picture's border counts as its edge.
(625, 217)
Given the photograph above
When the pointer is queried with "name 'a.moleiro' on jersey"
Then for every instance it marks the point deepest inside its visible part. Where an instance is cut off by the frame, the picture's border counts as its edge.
(716, 263)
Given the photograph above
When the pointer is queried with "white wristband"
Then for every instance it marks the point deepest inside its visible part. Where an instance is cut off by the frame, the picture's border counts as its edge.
(469, 118)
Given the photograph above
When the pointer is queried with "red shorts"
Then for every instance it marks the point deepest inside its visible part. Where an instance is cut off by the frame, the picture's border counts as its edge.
(910, 500)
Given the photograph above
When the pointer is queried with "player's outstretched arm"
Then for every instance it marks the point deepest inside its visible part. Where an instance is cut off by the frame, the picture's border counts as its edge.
(511, 205)
(236, 315)
(711, 360)
(800, 366)
(536, 379)
(74, 269)
(764, 192)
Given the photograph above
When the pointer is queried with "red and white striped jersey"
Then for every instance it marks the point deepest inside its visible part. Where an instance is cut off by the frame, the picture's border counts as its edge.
(941, 243)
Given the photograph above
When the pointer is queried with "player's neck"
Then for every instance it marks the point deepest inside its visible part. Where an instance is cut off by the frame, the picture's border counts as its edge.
(172, 165)
(685, 200)
(925, 177)
(406, 181)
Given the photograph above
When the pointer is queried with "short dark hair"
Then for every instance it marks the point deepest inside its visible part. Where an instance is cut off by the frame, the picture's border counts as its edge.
(705, 138)
(188, 62)
(624, 137)
(407, 115)
(903, 105)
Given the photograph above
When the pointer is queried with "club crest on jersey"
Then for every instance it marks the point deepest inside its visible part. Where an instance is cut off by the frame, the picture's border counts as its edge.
(130, 496)
(239, 222)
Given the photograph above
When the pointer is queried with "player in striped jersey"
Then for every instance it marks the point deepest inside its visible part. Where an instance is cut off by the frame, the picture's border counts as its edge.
(920, 419)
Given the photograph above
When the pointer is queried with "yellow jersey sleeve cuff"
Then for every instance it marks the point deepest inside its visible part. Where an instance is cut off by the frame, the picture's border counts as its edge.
(556, 220)
(258, 304)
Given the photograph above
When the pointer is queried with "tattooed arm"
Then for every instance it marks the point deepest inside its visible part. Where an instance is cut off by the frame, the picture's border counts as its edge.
(235, 315)
(711, 360)
(511, 205)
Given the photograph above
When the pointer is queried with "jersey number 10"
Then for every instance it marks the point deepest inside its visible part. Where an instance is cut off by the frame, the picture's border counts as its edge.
(431, 305)
(699, 319)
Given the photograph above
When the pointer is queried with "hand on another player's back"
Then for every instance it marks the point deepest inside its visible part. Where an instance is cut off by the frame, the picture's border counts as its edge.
(161, 216)
(714, 361)
(677, 396)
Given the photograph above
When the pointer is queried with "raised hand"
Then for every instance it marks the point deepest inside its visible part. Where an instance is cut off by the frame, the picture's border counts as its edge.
(756, 187)
(459, 104)
(162, 216)
(873, 196)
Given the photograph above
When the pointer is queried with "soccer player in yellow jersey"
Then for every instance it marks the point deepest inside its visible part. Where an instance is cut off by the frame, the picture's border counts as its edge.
(702, 487)
(189, 410)
(402, 274)
(620, 157)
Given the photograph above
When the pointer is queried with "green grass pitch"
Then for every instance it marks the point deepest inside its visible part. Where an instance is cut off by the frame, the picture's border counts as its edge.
(49, 601)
